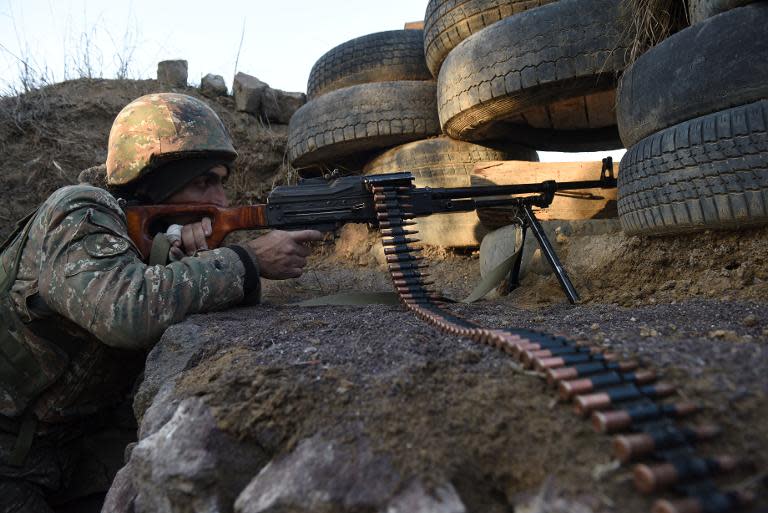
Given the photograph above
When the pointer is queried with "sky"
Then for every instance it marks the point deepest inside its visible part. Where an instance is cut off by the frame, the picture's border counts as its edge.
(276, 41)
(281, 39)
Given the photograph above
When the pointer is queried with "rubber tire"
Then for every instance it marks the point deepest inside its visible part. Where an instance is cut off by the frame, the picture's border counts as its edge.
(558, 51)
(700, 10)
(360, 118)
(449, 22)
(707, 173)
(444, 162)
(712, 66)
(380, 57)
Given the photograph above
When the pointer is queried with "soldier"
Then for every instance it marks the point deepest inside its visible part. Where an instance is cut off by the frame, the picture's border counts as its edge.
(80, 309)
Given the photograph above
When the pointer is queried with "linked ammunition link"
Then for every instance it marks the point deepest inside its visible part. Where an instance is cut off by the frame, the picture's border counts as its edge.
(619, 397)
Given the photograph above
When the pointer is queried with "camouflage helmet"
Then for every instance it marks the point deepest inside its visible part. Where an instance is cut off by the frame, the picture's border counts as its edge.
(158, 128)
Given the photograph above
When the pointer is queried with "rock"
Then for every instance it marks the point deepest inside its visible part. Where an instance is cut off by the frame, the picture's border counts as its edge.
(729, 335)
(122, 494)
(415, 499)
(750, 321)
(248, 92)
(279, 106)
(323, 475)
(161, 409)
(669, 285)
(497, 246)
(172, 73)
(580, 245)
(320, 474)
(213, 85)
(179, 349)
(188, 465)
(256, 97)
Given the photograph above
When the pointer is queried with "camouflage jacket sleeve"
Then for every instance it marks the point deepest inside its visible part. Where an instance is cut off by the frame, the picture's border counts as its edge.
(91, 273)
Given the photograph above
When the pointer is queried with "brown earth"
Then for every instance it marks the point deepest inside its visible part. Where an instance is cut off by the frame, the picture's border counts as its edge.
(606, 269)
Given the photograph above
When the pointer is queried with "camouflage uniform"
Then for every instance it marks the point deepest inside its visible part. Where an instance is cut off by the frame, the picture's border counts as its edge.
(89, 309)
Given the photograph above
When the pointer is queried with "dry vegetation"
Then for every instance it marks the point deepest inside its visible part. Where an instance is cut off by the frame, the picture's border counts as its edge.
(652, 21)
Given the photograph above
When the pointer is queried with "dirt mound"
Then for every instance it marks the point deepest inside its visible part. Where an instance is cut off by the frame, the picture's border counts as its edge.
(444, 409)
(606, 268)
(632, 271)
(49, 135)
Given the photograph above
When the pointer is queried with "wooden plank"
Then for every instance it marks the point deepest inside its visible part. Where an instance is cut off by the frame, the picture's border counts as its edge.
(569, 114)
(601, 109)
(414, 25)
(537, 117)
(569, 205)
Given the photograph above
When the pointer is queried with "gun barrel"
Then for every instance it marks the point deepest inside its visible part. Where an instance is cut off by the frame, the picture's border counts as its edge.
(501, 190)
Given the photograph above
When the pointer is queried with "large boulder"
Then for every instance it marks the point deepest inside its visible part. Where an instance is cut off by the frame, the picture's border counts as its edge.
(248, 92)
(324, 475)
(256, 97)
(187, 465)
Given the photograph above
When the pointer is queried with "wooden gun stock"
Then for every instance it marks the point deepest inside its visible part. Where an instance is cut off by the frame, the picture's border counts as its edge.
(142, 220)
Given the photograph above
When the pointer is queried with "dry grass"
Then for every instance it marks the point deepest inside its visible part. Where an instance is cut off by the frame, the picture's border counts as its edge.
(652, 21)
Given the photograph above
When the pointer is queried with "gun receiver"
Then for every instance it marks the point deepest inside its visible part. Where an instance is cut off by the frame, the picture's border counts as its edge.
(326, 205)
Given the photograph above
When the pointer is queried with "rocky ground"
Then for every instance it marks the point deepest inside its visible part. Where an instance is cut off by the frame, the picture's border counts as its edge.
(283, 408)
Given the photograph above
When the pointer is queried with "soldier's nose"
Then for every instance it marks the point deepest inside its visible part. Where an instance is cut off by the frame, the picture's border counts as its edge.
(218, 196)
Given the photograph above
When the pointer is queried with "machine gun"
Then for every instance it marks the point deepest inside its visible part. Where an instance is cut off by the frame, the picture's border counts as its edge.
(385, 201)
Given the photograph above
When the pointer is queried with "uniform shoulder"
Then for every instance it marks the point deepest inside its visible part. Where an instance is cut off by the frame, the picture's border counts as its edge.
(74, 197)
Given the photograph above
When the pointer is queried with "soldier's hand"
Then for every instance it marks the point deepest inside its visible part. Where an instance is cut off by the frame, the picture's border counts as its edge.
(192, 238)
(282, 255)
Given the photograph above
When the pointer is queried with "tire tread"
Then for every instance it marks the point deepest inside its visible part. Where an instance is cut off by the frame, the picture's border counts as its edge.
(361, 118)
(380, 57)
(662, 190)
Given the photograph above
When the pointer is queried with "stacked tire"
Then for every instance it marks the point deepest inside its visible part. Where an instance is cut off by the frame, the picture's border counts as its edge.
(693, 113)
(484, 80)
(539, 74)
(372, 108)
(542, 74)
(367, 94)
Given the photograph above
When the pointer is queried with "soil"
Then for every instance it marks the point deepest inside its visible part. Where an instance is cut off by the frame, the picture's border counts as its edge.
(445, 408)
(693, 307)
(606, 269)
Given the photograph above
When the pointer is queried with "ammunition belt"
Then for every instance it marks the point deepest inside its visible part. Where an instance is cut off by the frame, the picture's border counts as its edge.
(620, 398)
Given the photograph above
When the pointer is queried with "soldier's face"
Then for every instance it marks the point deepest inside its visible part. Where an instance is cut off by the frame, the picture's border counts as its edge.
(206, 188)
